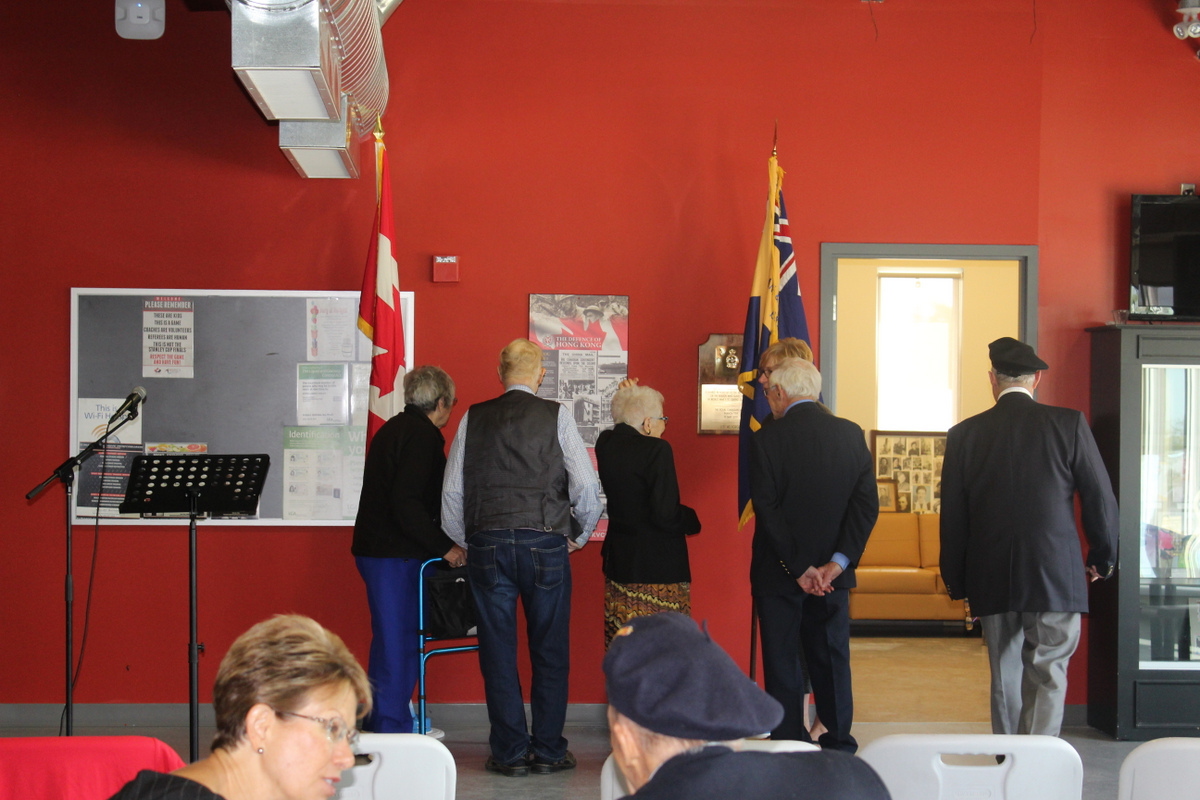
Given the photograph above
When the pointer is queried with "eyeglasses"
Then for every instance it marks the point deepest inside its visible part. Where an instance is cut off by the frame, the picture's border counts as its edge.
(664, 419)
(336, 729)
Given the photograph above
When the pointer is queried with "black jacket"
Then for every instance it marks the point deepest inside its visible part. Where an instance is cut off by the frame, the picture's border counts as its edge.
(647, 524)
(1009, 480)
(401, 503)
(718, 773)
(813, 485)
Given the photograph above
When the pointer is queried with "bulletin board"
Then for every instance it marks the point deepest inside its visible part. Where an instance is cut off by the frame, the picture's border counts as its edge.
(226, 372)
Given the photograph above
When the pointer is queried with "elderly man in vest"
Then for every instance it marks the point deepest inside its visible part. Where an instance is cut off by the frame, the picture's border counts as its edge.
(520, 492)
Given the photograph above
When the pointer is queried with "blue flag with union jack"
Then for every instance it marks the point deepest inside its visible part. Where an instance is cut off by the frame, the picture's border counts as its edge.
(775, 312)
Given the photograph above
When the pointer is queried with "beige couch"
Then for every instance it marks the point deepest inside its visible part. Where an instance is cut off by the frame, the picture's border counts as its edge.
(898, 575)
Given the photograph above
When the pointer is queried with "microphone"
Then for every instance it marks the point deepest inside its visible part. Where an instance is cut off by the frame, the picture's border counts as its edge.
(130, 404)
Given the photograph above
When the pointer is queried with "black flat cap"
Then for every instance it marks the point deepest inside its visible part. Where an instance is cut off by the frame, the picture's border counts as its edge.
(668, 676)
(1011, 357)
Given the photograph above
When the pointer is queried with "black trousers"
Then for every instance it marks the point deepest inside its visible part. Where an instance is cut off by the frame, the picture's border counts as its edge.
(818, 627)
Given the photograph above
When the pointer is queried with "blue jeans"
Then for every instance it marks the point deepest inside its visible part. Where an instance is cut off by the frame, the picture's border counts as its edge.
(532, 565)
(395, 660)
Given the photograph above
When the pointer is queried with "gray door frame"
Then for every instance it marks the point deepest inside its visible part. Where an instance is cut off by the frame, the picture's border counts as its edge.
(832, 252)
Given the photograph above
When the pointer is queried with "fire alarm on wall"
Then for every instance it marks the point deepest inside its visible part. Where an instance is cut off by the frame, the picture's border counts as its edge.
(445, 269)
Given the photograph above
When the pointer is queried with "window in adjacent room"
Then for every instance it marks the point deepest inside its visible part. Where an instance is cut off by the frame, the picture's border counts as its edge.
(917, 346)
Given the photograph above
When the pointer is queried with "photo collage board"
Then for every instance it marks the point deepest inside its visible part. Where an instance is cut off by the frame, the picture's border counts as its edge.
(908, 467)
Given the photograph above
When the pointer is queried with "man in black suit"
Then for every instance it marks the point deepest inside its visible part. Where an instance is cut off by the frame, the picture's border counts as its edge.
(814, 492)
(675, 702)
(396, 529)
(1009, 541)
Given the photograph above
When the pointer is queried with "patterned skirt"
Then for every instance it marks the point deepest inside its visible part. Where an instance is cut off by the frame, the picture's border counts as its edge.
(624, 601)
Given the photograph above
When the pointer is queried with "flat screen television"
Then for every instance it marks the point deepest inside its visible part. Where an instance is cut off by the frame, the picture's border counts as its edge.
(1165, 258)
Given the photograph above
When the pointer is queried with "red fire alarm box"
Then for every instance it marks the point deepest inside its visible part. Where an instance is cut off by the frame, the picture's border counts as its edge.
(445, 269)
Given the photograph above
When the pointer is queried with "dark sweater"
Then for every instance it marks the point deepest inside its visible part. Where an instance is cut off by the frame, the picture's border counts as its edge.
(400, 508)
(151, 785)
(647, 524)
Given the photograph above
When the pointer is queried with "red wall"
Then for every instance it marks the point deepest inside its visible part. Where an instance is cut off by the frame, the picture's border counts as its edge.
(555, 147)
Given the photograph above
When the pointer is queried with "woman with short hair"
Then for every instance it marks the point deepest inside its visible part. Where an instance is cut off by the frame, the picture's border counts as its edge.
(287, 696)
(645, 549)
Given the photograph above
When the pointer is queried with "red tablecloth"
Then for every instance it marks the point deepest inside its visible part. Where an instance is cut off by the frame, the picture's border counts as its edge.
(77, 767)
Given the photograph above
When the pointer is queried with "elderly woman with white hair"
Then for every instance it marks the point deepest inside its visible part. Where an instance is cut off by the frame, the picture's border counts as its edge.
(645, 550)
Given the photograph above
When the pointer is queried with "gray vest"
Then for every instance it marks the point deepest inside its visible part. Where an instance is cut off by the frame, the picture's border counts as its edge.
(514, 475)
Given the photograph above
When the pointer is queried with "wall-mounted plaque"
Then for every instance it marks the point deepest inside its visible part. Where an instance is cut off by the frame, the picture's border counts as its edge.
(718, 401)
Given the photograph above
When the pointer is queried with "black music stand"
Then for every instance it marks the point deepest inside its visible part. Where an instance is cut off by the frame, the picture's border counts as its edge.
(204, 484)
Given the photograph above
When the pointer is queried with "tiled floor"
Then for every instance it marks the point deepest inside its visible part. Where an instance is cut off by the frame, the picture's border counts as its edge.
(902, 685)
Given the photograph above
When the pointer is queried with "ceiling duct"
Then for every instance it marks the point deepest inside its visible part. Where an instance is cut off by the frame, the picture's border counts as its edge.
(386, 7)
(322, 149)
(314, 62)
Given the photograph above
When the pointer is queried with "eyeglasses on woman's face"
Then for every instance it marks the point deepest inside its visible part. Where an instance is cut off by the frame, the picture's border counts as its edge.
(336, 728)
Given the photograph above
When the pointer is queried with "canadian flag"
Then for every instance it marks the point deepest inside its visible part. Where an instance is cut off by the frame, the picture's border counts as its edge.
(379, 304)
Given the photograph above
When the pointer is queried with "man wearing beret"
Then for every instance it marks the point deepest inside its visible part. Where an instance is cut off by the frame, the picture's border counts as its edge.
(1009, 541)
(675, 698)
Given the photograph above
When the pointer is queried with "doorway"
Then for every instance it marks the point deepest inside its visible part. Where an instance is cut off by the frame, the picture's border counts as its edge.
(913, 321)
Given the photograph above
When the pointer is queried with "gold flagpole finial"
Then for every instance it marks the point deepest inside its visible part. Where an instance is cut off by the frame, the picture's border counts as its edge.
(379, 149)
(775, 143)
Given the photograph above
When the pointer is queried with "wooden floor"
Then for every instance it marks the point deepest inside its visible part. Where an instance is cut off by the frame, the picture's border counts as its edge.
(943, 679)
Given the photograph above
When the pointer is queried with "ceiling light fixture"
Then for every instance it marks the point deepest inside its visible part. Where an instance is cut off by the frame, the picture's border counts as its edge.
(1189, 28)
(141, 19)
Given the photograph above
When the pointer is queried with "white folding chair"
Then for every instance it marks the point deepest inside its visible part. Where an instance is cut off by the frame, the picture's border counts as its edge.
(612, 782)
(400, 765)
(774, 745)
(1163, 769)
(1033, 768)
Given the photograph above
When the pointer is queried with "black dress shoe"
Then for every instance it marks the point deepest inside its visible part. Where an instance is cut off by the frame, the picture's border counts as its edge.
(518, 770)
(542, 767)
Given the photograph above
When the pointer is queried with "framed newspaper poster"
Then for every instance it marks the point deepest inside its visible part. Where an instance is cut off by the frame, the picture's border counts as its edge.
(584, 339)
(585, 350)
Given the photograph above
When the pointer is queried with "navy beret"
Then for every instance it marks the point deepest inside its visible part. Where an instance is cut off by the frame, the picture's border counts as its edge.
(1011, 357)
(668, 676)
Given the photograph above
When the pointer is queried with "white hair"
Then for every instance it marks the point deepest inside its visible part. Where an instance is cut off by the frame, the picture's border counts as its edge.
(633, 404)
(1004, 381)
(425, 386)
(797, 378)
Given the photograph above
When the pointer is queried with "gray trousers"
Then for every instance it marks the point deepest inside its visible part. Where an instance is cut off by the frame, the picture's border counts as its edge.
(1028, 653)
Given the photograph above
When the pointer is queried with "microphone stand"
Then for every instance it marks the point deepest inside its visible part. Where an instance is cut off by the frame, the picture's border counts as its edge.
(65, 473)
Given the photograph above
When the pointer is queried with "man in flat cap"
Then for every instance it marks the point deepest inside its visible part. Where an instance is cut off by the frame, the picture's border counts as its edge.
(676, 699)
(1009, 542)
